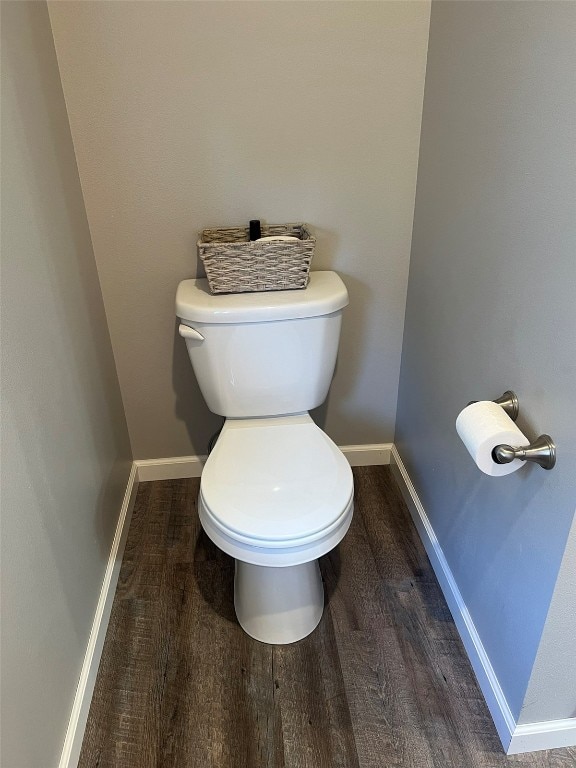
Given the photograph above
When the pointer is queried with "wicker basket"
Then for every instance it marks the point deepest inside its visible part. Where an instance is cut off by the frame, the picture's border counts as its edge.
(234, 264)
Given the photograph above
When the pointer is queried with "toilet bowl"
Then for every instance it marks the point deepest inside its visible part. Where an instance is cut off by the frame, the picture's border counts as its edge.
(275, 493)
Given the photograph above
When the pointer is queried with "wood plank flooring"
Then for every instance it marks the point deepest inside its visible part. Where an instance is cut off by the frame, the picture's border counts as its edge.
(382, 682)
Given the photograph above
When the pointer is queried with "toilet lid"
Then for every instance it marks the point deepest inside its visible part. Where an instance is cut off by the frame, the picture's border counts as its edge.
(276, 479)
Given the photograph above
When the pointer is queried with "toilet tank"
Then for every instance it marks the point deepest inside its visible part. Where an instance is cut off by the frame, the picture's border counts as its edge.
(263, 354)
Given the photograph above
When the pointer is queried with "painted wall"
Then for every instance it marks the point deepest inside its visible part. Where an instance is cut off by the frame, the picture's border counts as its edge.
(491, 307)
(187, 115)
(65, 449)
(551, 693)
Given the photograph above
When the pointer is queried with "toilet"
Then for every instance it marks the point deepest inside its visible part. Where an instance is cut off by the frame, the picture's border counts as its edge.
(275, 493)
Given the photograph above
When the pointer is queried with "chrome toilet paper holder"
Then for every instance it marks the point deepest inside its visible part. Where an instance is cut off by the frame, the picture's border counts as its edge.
(541, 451)
(508, 402)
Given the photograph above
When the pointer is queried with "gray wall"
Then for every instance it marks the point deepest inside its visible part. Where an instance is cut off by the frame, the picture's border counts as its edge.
(65, 450)
(193, 114)
(551, 693)
(491, 307)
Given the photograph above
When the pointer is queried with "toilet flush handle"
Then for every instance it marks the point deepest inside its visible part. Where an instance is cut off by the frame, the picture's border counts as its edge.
(190, 333)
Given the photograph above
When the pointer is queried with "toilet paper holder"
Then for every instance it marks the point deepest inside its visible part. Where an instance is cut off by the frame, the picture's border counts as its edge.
(508, 402)
(542, 451)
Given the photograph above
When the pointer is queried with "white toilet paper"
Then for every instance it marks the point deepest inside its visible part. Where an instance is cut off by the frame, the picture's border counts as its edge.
(484, 425)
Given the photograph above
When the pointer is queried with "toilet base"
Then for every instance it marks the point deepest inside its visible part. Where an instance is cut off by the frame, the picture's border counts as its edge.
(278, 605)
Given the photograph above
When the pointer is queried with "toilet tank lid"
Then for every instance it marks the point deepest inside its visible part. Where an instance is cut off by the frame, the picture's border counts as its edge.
(324, 294)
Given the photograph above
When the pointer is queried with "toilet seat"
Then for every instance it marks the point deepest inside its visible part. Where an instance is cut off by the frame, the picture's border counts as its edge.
(276, 483)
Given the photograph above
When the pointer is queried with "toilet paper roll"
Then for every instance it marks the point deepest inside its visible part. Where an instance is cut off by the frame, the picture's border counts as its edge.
(484, 425)
(284, 238)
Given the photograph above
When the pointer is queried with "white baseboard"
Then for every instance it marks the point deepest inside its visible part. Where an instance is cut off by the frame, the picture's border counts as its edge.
(173, 468)
(367, 455)
(529, 737)
(81, 706)
(550, 734)
(178, 467)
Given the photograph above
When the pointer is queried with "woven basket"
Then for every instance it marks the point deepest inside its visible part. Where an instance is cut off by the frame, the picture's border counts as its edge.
(234, 264)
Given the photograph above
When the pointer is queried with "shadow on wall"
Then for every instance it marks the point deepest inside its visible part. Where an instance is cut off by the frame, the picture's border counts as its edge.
(200, 422)
(335, 416)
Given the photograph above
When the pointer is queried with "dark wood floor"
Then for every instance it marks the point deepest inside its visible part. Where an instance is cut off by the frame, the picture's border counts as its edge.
(383, 681)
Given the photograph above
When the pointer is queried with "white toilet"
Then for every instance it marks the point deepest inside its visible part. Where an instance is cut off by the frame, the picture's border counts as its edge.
(276, 493)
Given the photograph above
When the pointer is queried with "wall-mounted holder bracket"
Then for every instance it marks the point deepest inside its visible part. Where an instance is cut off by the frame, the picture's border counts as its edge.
(542, 451)
(508, 402)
